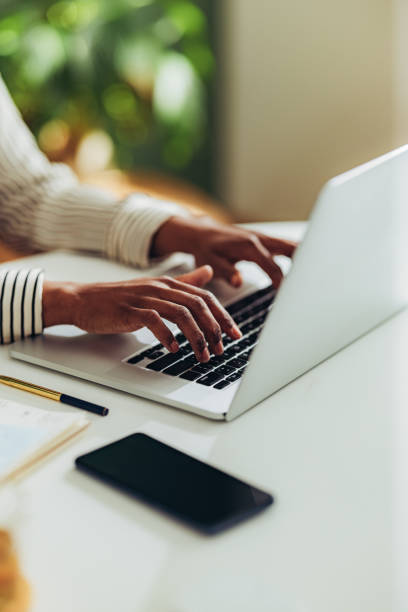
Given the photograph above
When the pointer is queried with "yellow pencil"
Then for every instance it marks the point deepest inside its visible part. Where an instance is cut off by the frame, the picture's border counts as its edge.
(54, 395)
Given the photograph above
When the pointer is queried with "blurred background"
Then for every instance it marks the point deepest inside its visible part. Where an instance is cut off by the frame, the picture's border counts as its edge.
(240, 108)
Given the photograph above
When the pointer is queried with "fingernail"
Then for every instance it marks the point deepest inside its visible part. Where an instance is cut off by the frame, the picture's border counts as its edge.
(174, 347)
(236, 332)
(235, 280)
(219, 348)
(205, 355)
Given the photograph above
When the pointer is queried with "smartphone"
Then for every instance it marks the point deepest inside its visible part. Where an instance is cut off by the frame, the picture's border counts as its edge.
(206, 498)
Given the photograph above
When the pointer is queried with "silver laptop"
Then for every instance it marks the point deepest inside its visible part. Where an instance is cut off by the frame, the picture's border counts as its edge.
(349, 274)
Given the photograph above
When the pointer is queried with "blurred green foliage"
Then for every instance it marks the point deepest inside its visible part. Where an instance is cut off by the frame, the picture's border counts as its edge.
(141, 70)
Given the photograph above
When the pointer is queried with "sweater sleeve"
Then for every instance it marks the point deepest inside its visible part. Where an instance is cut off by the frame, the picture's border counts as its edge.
(43, 206)
(20, 303)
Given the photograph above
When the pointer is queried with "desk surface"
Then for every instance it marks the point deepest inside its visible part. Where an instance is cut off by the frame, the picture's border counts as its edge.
(331, 447)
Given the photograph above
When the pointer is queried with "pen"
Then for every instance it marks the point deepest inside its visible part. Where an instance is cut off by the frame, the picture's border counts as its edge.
(54, 395)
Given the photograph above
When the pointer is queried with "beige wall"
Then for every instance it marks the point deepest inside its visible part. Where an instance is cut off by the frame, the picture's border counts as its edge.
(400, 49)
(306, 93)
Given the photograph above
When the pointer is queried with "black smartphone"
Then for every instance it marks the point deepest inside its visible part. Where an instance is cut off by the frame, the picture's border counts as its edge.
(203, 496)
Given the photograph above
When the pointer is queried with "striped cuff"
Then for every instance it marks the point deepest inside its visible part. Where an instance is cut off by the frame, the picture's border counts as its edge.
(20, 304)
(130, 235)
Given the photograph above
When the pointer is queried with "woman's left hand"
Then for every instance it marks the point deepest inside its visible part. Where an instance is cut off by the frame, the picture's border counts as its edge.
(221, 246)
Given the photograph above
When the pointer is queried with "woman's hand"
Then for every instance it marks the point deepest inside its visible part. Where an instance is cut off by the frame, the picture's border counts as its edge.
(221, 246)
(110, 308)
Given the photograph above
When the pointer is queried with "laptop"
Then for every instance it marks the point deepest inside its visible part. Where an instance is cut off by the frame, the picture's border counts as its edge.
(349, 274)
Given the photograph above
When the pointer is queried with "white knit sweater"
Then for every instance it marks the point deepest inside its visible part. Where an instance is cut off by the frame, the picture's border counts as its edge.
(43, 206)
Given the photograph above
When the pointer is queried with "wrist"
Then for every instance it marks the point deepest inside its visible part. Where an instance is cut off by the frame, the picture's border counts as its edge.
(58, 303)
(175, 235)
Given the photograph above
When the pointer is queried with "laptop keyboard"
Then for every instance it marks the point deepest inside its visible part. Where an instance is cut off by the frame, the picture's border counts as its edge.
(220, 371)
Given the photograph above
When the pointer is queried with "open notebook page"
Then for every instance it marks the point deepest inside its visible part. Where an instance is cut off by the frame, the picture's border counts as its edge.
(28, 433)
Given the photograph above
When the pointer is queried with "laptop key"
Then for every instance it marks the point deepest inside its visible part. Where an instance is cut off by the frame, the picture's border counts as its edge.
(156, 354)
(180, 366)
(152, 351)
(164, 362)
(249, 299)
(176, 368)
(225, 369)
(246, 343)
(181, 339)
(233, 350)
(234, 377)
(253, 338)
(246, 328)
(185, 350)
(203, 368)
(222, 384)
(210, 379)
(235, 307)
(257, 322)
(242, 317)
(243, 302)
(191, 375)
(136, 359)
(217, 360)
(237, 363)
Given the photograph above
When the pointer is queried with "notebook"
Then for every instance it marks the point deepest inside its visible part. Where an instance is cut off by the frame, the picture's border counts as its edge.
(27, 434)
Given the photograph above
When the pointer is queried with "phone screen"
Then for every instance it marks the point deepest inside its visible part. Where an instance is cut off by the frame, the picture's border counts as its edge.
(187, 488)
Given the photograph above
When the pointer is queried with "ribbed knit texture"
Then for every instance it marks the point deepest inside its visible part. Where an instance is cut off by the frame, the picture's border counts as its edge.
(43, 206)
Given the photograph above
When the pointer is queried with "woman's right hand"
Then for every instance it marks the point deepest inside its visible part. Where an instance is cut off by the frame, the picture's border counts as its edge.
(110, 308)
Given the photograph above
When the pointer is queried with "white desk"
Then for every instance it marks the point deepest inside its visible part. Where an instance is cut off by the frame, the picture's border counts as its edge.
(332, 447)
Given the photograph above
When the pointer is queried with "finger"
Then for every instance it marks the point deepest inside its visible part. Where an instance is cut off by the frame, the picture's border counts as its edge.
(151, 319)
(181, 315)
(226, 270)
(201, 313)
(224, 319)
(198, 277)
(260, 255)
(277, 246)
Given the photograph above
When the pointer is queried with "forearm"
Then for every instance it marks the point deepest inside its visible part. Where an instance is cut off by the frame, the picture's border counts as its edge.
(58, 303)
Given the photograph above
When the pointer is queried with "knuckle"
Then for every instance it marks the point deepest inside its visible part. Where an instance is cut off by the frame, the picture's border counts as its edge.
(217, 332)
(209, 297)
(214, 304)
(152, 317)
(253, 239)
(127, 315)
(166, 279)
(199, 304)
(183, 314)
(200, 341)
(229, 321)
(150, 285)
(159, 282)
